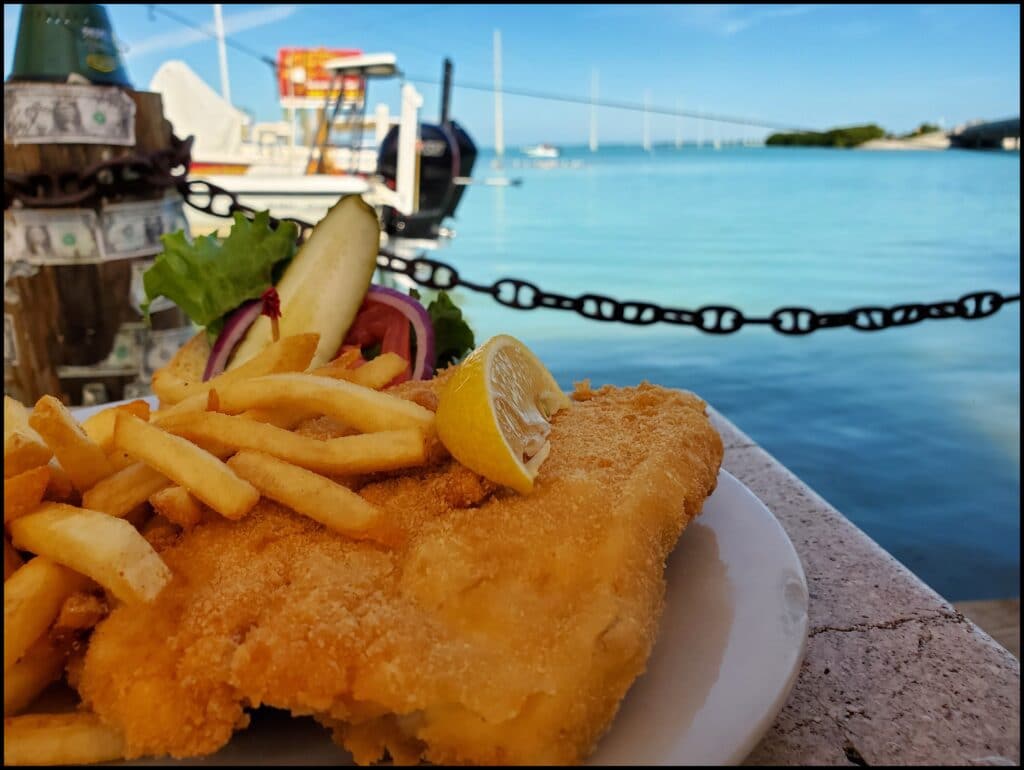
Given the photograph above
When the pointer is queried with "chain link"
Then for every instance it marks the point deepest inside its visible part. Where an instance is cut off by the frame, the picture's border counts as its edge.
(712, 319)
(202, 195)
(132, 174)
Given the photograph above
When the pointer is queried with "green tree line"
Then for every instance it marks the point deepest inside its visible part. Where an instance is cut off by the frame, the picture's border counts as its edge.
(850, 136)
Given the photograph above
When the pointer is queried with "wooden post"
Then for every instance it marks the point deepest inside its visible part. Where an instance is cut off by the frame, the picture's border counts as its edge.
(69, 315)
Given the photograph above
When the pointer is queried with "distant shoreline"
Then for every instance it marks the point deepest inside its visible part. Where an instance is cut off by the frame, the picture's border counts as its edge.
(936, 140)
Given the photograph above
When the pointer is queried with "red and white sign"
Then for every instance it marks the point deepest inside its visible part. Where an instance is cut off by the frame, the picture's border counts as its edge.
(303, 80)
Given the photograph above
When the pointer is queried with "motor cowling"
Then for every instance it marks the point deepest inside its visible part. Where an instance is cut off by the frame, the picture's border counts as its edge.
(447, 152)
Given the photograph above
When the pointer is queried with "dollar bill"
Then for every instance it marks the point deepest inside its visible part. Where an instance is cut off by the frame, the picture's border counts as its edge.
(134, 229)
(66, 113)
(161, 345)
(52, 236)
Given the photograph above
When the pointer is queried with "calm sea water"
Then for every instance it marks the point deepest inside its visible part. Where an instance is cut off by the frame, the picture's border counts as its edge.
(912, 433)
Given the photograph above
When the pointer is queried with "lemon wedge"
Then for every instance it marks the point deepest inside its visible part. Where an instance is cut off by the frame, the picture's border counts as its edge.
(494, 413)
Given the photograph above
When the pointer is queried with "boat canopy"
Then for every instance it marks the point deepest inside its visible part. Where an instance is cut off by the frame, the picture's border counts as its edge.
(378, 65)
(194, 109)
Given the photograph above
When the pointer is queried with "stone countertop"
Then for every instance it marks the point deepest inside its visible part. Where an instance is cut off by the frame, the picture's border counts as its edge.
(893, 673)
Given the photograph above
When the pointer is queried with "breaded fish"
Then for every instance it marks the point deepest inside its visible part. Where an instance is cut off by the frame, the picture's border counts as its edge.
(506, 630)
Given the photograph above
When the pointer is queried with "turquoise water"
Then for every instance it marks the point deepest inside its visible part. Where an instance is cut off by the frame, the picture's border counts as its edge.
(912, 433)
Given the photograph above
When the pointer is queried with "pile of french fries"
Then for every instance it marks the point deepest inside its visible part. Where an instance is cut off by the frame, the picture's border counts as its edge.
(79, 500)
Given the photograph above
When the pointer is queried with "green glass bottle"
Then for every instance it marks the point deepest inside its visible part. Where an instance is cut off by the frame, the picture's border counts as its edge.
(55, 41)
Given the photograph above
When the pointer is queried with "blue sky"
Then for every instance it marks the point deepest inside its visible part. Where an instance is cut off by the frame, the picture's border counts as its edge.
(809, 65)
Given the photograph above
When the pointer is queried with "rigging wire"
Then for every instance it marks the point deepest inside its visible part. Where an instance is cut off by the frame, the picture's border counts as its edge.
(633, 106)
(211, 34)
(528, 93)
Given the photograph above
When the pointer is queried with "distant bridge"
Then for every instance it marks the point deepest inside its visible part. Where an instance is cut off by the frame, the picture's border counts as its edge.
(986, 136)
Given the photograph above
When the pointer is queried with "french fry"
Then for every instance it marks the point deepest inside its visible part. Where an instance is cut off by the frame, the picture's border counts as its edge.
(364, 409)
(281, 417)
(178, 506)
(80, 611)
(41, 664)
(25, 491)
(121, 492)
(189, 466)
(60, 486)
(100, 426)
(196, 403)
(12, 559)
(289, 354)
(373, 374)
(32, 598)
(107, 549)
(380, 371)
(76, 738)
(384, 451)
(336, 507)
(82, 459)
(24, 449)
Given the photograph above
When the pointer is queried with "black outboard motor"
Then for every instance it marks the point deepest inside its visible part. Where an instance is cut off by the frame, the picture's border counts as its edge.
(447, 153)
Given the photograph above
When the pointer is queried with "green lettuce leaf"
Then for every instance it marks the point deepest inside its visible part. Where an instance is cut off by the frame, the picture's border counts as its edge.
(452, 336)
(211, 276)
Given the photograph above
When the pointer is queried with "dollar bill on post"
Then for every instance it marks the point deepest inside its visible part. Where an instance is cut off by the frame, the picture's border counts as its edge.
(56, 236)
(134, 229)
(66, 113)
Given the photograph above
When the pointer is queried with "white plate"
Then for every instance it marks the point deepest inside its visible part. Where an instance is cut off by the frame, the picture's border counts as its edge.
(731, 642)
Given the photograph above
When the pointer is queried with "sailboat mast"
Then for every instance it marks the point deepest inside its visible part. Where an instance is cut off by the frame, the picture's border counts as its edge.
(647, 120)
(593, 111)
(499, 129)
(679, 124)
(222, 51)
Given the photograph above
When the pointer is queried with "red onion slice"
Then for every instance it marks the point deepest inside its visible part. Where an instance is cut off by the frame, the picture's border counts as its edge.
(235, 327)
(423, 366)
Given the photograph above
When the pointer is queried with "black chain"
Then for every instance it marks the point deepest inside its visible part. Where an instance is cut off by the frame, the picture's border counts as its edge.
(129, 174)
(713, 319)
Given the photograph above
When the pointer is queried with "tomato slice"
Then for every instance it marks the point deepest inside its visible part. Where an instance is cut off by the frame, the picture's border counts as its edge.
(376, 323)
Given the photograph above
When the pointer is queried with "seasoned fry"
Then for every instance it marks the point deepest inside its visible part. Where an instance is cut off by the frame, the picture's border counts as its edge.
(200, 472)
(41, 664)
(12, 560)
(364, 409)
(24, 449)
(289, 354)
(336, 507)
(107, 549)
(100, 426)
(123, 491)
(32, 598)
(77, 738)
(25, 491)
(82, 459)
(177, 505)
(387, 450)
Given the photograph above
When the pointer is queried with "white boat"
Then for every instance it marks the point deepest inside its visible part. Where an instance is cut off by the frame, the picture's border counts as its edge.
(542, 151)
(403, 168)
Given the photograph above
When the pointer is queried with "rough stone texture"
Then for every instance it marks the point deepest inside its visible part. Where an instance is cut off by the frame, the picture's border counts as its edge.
(732, 437)
(893, 674)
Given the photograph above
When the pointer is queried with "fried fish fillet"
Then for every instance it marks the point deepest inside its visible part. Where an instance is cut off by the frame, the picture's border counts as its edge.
(506, 630)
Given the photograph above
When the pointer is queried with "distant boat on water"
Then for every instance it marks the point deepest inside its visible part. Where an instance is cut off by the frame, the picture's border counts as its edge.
(546, 151)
